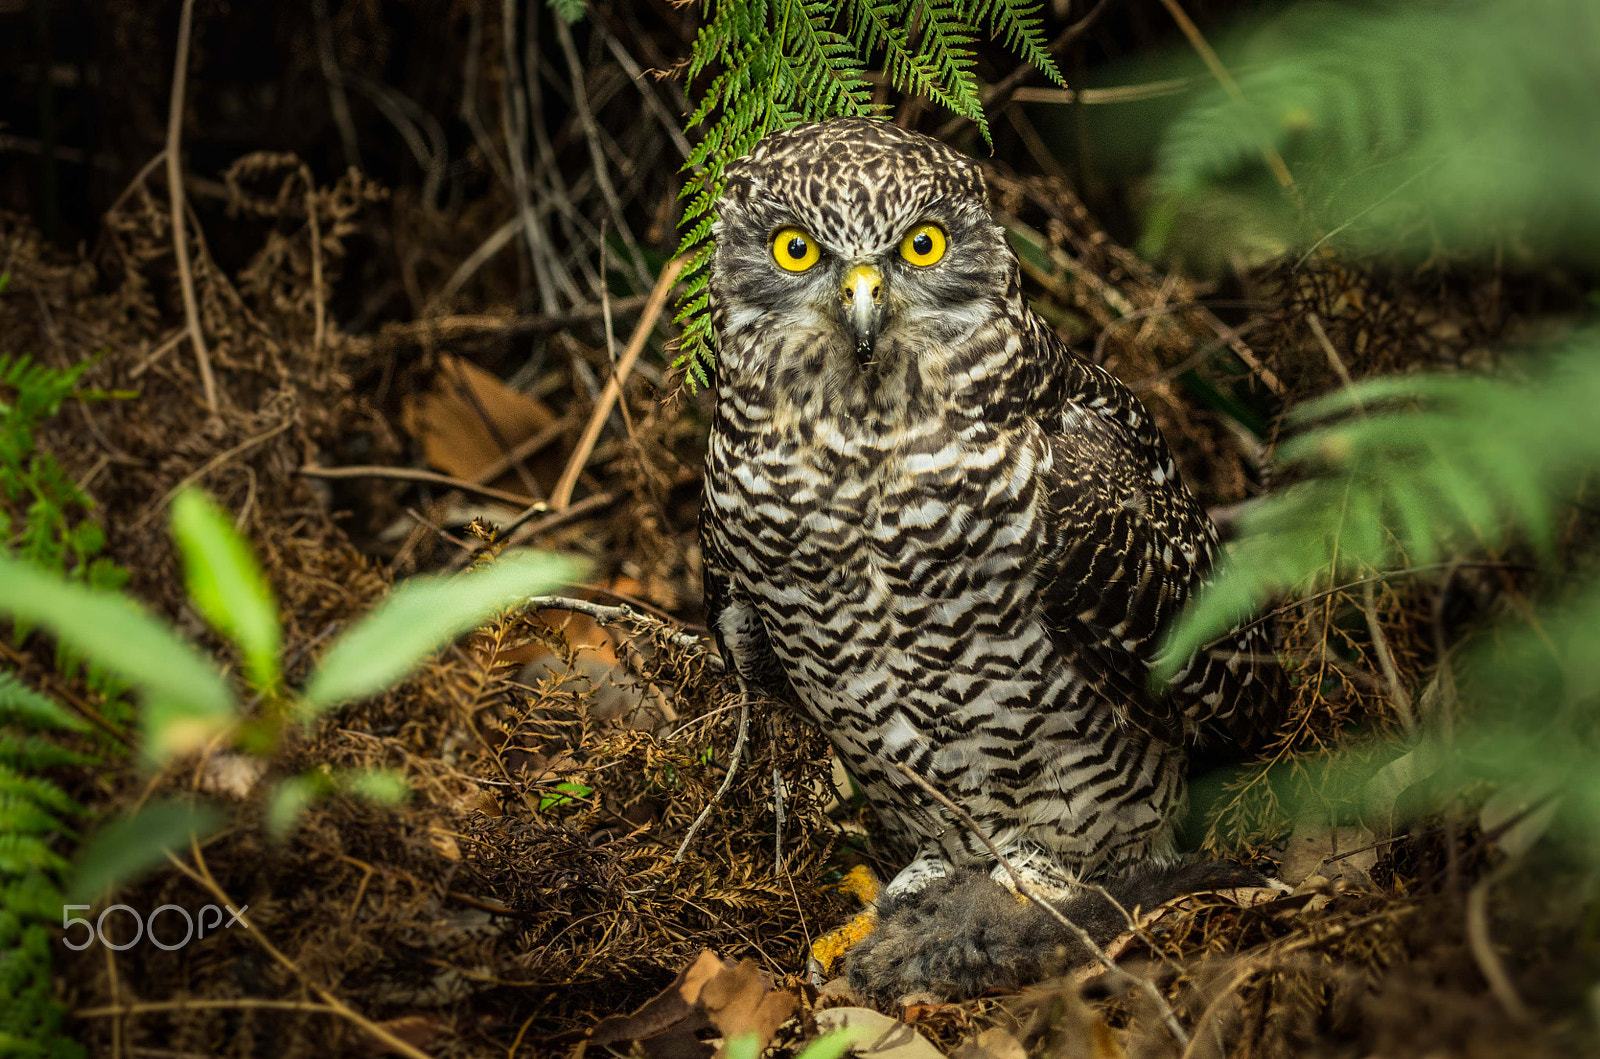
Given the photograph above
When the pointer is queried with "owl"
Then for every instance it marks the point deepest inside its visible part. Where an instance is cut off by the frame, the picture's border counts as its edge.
(950, 543)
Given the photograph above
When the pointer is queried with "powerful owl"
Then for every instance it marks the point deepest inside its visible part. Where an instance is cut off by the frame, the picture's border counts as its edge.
(952, 545)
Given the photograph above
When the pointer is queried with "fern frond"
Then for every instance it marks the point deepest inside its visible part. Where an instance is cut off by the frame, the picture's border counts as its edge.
(20, 854)
(1409, 127)
(20, 704)
(1432, 465)
(1018, 24)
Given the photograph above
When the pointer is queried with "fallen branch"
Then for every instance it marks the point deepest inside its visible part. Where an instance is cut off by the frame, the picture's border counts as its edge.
(562, 495)
(180, 242)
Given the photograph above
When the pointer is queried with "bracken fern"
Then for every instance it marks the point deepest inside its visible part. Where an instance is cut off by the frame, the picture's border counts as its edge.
(780, 62)
(44, 518)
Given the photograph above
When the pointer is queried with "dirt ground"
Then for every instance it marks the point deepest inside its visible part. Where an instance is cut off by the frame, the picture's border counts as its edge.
(400, 384)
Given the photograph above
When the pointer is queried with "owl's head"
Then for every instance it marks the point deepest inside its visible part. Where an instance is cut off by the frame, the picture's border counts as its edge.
(855, 246)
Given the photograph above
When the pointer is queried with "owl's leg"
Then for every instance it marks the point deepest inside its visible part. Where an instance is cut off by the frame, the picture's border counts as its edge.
(927, 867)
(1041, 872)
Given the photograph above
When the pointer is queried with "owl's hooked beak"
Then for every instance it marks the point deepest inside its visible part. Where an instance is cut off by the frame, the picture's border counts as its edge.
(861, 294)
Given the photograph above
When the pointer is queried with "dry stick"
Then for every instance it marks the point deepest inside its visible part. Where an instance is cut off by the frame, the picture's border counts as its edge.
(466, 324)
(211, 465)
(597, 158)
(1489, 965)
(521, 530)
(514, 116)
(202, 875)
(412, 474)
(199, 1004)
(1026, 890)
(562, 495)
(727, 778)
(1380, 643)
(602, 614)
(320, 296)
(180, 243)
(1274, 160)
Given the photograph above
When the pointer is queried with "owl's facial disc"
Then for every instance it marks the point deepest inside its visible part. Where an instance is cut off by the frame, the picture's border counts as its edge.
(865, 308)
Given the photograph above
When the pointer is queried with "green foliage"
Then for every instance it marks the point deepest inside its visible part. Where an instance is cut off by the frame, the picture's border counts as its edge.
(45, 518)
(782, 62)
(421, 616)
(1407, 127)
(137, 842)
(1422, 467)
(1461, 128)
(569, 11)
(188, 704)
(227, 585)
(34, 815)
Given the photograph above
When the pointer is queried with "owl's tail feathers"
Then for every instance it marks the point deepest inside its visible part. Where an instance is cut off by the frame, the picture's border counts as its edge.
(966, 933)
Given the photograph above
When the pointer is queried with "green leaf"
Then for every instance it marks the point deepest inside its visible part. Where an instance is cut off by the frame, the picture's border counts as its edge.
(569, 792)
(829, 1045)
(113, 632)
(570, 11)
(421, 616)
(227, 585)
(379, 786)
(132, 844)
(20, 854)
(289, 800)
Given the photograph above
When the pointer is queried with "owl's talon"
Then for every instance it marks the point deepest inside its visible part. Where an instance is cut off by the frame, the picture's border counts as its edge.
(859, 882)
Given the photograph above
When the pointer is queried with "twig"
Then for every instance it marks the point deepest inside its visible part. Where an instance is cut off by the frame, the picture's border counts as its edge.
(1197, 40)
(1488, 961)
(1334, 360)
(199, 1004)
(727, 779)
(1091, 97)
(338, 101)
(210, 465)
(202, 875)
(1026, 889)
(180, 243)
(562, 495)
(597, 160)
(521, 530)
(514, 119)
(518, 326)
(318, 293)
(601, 614)
(669, 124)
(412, 474)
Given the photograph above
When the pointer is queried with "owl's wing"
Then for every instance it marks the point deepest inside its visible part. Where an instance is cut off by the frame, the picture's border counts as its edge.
(1134, 546)
(740, 634)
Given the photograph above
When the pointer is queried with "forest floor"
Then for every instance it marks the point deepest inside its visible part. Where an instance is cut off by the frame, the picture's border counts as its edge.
(527, 899)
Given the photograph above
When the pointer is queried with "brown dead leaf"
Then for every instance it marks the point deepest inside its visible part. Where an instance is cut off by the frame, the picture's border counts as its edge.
(415, 1030)
(468, 419)
(736, 998)
(875, 1034)
(741, 1001)
(1066, 1027)
(996, 1042)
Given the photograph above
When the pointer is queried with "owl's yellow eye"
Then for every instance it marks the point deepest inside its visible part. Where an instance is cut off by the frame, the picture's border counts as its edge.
(794, 249)
(923, 245)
